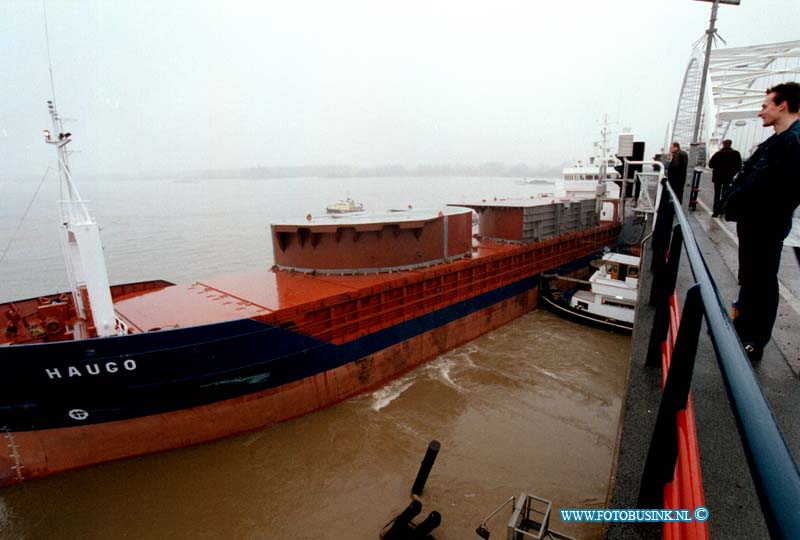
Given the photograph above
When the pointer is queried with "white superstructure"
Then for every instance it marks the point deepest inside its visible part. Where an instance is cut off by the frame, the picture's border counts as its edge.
(594, 178)
(613, 289)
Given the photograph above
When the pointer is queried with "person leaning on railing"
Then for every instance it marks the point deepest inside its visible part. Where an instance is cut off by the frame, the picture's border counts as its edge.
(761, 200)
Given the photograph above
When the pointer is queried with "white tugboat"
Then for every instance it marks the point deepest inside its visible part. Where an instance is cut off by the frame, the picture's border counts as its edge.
(610, 301)
(347, 206)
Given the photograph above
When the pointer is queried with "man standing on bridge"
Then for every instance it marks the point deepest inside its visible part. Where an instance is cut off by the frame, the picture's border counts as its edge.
(725, 164)
(761, 199)
(676, 173)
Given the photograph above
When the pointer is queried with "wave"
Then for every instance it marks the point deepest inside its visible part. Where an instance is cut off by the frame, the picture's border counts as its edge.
(384, 396)
(442, 369)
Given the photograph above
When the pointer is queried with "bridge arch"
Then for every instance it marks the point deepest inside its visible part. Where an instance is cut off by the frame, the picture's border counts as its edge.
(737, 79)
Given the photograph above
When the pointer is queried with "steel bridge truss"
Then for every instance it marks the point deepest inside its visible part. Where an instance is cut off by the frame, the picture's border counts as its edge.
(737, 80)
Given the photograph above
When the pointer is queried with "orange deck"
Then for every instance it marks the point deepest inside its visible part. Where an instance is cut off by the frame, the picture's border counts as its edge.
(259, 293)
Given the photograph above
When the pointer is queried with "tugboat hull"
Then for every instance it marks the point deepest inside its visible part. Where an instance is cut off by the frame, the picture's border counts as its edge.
(562, 309)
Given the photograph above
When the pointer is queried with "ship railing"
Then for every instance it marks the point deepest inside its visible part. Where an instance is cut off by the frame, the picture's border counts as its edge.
(647, 184)
(672, 468)
(121, 326)
(650, 183)
(76, 212)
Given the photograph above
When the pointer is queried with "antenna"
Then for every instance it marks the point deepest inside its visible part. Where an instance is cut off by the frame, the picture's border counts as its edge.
(49, 60)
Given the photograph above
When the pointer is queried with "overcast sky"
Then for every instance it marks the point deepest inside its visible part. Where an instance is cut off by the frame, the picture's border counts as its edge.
(186, 85)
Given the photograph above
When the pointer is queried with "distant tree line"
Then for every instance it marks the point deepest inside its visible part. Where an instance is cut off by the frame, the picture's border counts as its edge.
(519, 170)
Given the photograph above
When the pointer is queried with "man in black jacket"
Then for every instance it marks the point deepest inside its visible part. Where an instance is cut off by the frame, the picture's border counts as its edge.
(676, 173)
(762, 199)
(725, 164)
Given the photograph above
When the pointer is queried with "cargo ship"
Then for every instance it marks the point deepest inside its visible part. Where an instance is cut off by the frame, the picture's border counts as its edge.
(103, 372)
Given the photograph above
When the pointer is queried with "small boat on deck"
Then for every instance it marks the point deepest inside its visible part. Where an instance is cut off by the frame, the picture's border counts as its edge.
(610, 300)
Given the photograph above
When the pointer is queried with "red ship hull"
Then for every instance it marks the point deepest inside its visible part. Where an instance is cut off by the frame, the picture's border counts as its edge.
(33, 454)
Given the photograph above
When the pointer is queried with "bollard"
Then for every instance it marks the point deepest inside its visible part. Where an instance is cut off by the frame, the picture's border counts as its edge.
(401, 524)
(695, 189)
(428, 524)
(425, 467)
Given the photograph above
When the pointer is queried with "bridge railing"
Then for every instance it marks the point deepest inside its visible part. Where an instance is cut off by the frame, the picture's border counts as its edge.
(672, 456)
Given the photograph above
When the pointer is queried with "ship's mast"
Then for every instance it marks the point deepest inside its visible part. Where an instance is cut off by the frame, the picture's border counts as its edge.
(604, 150)
(601, 188)
(83, 251)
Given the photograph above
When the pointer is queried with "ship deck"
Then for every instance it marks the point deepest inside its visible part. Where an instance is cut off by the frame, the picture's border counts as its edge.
(260, 294)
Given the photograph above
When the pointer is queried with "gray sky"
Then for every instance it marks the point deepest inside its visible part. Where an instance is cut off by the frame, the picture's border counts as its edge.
(186, 85)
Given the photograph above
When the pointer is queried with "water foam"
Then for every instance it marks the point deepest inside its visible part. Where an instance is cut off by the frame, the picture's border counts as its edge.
(383, 396)
(443, 373)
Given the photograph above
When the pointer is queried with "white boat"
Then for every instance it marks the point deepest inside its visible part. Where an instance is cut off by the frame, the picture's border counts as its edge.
(610, 301)
(598, 168)
(346, 206)
(587, 180)
(534, 181)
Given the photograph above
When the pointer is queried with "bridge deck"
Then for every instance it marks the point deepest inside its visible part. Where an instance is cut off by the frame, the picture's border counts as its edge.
(730, 495)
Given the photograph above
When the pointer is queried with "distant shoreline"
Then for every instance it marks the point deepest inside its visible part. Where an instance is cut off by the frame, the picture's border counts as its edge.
(489, 170)
(486, 170)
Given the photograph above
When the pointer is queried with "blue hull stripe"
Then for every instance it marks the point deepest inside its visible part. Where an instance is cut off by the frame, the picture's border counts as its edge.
(182, 368)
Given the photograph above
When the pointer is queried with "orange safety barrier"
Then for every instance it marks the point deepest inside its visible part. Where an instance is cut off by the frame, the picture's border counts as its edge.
(686, 489)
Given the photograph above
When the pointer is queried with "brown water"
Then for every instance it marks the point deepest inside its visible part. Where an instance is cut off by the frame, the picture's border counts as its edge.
(532, 407)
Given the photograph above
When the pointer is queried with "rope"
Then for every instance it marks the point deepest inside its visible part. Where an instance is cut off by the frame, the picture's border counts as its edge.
(22, 219)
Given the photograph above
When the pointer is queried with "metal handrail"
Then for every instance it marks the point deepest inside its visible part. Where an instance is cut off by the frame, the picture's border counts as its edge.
(775, 474)
(659, 170)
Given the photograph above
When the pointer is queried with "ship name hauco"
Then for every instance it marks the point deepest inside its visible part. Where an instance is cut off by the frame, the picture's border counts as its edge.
(91, 369)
